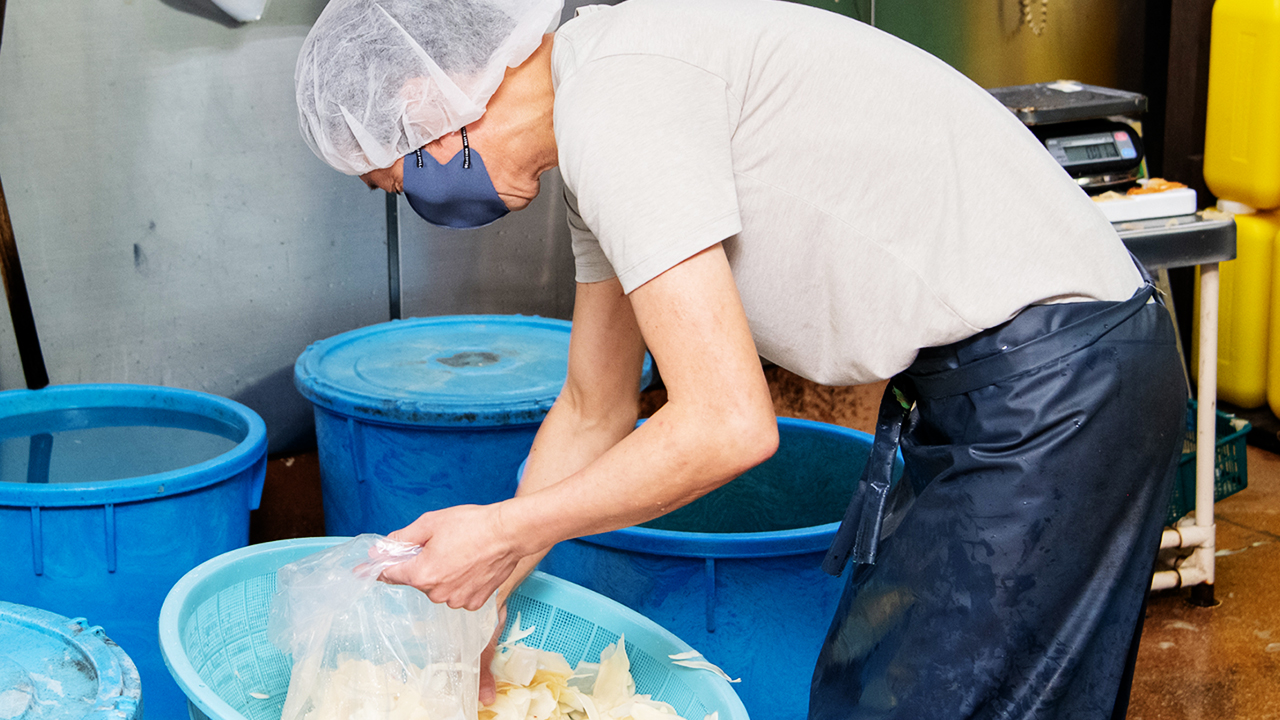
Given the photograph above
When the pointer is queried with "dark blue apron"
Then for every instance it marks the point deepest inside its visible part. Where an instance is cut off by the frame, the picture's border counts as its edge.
(1004, 575)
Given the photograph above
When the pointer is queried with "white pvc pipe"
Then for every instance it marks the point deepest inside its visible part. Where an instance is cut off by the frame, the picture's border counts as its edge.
(1185, 536)
(1182, 577)
(1199, 567)
(1206, 418)
(1189, 571)
(1166, 580)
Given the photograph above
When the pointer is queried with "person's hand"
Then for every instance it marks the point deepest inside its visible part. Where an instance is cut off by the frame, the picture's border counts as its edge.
(466, 554)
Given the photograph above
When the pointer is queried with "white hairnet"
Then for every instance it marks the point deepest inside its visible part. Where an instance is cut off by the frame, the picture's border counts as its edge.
(378, 79)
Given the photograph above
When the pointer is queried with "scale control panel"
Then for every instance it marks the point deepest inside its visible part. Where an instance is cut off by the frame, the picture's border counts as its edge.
(1099, 154)
(1092, 148)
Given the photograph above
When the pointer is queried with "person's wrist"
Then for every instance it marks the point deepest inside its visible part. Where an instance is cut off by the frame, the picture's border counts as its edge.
(522, 530)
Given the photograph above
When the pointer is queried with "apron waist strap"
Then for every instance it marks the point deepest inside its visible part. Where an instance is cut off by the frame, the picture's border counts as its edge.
(1046, 348)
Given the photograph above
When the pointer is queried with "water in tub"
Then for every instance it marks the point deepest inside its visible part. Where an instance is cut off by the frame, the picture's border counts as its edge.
(104, 444)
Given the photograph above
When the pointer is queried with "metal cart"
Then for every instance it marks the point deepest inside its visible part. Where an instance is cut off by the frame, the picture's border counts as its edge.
(1203, 239)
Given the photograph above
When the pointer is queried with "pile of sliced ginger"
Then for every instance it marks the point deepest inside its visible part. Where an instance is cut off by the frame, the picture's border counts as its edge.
(534, 684)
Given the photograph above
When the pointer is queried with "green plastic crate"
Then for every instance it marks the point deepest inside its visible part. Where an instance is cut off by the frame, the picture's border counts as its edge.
(1230, 463)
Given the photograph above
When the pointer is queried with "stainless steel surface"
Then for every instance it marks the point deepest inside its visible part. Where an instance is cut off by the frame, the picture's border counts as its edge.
(1180, 241)
(522, 263)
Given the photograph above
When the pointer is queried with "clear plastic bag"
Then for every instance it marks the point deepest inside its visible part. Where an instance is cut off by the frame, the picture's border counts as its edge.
(366, 650)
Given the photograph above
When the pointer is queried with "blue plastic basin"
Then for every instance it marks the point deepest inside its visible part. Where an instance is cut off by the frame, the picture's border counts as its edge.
(213, 630)
(737, 574)
(81, 537)
(421, 414)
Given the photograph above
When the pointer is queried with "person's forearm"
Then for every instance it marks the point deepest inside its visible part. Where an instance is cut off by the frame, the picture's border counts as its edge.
(674, 458)
(567, 441)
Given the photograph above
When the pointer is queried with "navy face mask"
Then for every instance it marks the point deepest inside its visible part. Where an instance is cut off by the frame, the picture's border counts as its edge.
(458, 194)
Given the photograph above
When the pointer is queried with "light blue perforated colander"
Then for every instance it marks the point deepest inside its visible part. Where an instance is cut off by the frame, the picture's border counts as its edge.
(213, 636)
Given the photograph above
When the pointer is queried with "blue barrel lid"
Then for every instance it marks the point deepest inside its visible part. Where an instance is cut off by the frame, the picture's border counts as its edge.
(57, 668)
(454, 370)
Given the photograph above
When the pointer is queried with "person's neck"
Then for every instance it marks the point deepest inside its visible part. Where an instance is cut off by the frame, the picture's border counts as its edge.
(526, 102)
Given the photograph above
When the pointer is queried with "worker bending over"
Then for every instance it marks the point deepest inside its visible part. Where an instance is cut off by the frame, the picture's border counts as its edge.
(753, 178)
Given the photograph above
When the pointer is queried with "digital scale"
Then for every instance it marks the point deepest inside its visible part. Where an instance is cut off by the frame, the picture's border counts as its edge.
(1083, 127)
(1076, 124)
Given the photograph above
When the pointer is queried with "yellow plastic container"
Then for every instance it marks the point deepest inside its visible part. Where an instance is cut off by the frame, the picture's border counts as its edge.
(1242, 124)
(1245, 317)
(1273, 361)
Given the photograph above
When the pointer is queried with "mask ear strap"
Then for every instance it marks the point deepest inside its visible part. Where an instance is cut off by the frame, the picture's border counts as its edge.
(418, 153)
(466, 150)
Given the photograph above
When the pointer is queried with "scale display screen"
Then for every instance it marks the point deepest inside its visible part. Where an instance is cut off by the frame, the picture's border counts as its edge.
(1092, 148)
(1085, 153)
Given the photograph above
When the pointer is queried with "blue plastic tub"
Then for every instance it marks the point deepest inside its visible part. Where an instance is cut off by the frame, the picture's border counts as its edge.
(737, 573)
(111, 493)
(213, 631)
(58, 668)
(417, 415)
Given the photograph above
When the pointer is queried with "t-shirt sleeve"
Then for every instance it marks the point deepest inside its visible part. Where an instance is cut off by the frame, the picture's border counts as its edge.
(590, 263)
(644, 145)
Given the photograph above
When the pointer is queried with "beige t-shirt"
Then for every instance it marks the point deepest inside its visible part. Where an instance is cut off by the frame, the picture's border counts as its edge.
(872, 200)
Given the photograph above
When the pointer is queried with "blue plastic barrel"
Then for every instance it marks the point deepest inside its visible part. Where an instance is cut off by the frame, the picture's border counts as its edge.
(110, 493)
(57, 668)
(737, 574)
(422, 414)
